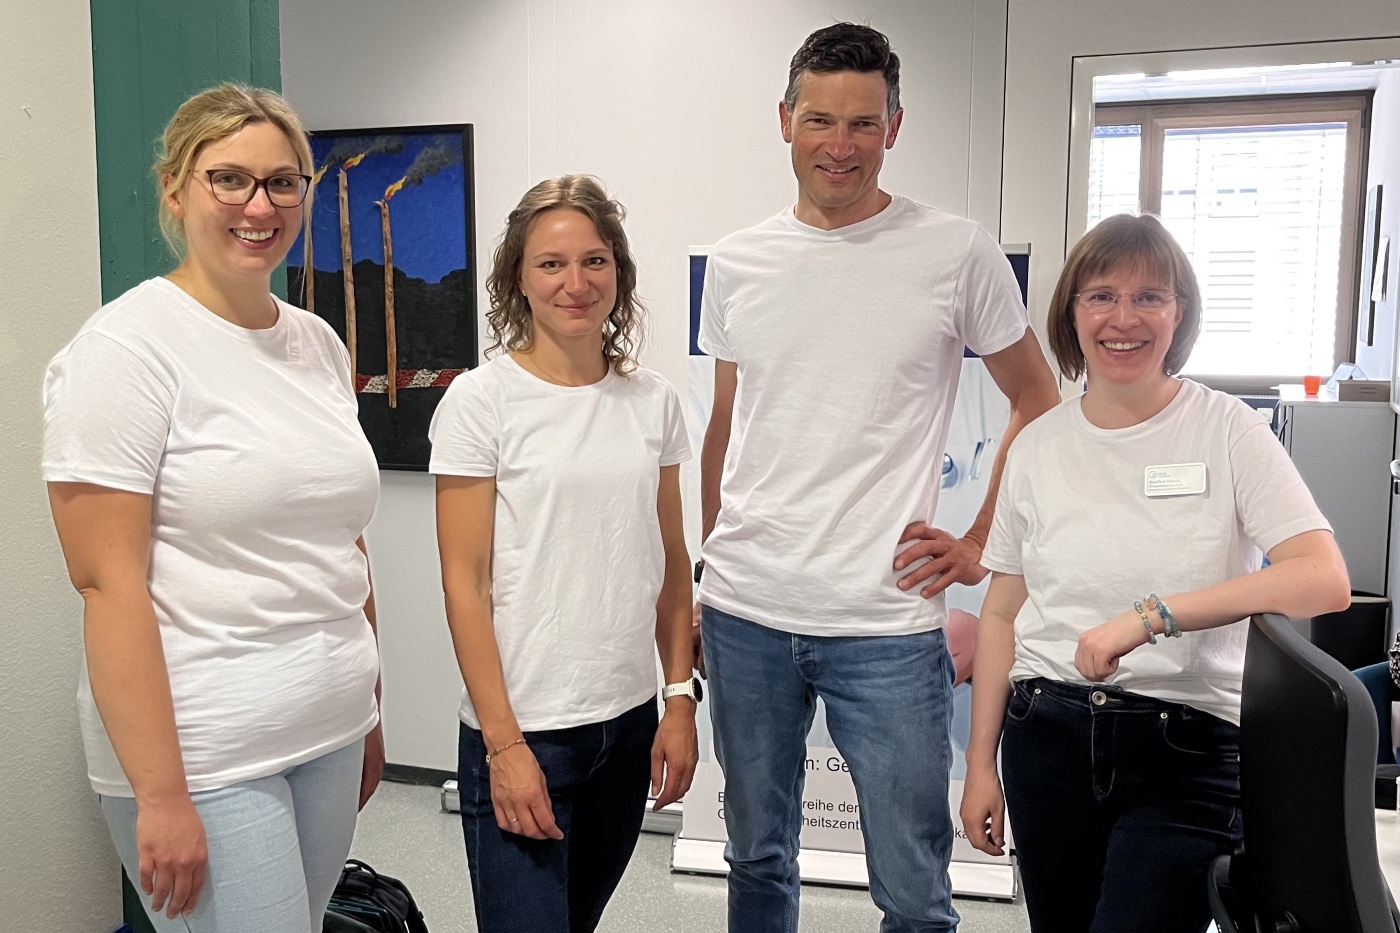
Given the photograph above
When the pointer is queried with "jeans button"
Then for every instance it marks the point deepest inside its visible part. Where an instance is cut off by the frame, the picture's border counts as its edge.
(1166, 716)
(1098, 698)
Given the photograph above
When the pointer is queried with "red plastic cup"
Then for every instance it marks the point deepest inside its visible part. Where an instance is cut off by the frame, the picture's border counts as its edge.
(1311, 384)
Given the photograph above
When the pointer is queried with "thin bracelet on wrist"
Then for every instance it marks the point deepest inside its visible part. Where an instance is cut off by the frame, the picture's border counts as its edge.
(490, 756)
(1146, 622)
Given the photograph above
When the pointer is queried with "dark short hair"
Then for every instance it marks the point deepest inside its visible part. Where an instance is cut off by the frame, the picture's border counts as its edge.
(1137, 240)
(846, 47)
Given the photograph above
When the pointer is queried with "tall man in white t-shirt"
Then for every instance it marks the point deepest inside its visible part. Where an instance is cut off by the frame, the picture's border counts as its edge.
(837, 329)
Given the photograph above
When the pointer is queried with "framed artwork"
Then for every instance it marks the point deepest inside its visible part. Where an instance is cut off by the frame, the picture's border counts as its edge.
(389, 261)
(1370, 244)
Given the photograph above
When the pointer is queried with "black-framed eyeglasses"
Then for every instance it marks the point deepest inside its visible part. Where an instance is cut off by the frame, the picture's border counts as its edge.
(1105, 299)
(230, 186)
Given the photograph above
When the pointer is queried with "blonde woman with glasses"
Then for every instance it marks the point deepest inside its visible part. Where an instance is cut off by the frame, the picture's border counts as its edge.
(1125, 552)
(210, 484)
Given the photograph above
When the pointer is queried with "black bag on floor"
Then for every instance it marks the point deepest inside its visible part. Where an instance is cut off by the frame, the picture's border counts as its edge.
(368, 902)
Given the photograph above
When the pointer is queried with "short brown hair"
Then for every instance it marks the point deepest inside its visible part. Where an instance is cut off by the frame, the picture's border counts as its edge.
(1137, 240)
(512, 326)
(211, 116)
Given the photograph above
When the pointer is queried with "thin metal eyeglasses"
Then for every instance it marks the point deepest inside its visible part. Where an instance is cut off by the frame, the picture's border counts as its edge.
(1148, 300)
(236, 188)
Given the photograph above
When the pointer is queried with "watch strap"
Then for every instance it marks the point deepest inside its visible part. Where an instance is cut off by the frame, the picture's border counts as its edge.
(685, 688)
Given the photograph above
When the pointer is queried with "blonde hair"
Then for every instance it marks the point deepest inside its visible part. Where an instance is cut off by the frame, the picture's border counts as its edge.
(211, 116)
(512, 326)
(1137, 240)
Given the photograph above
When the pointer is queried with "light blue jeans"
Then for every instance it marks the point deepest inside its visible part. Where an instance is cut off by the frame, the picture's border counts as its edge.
(888, 709)
(276, 847)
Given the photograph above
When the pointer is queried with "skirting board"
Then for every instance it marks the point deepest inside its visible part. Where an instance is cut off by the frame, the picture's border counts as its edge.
(969, 879)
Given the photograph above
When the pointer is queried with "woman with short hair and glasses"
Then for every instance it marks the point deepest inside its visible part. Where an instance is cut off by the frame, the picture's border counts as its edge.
(1125, 554)
(210, 484)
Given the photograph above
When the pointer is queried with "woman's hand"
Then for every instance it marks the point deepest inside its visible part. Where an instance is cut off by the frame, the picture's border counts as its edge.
(983, 810)
(172, 853)
(674, 753)
(1102, 646)
(697, 643)
(373, 767)
(520, 795)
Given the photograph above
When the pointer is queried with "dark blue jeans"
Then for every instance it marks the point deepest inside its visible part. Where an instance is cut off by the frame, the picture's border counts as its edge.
(598, 776)
(888, 706)
(1383, 691)
(1118, 805)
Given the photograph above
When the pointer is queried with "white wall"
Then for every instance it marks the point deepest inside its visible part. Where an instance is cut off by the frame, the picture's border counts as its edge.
(1378, 360)
(58, 873)
(675, 107)
(1044, 38)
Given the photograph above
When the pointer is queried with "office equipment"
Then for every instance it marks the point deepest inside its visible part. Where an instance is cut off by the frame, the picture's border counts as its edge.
(1307, 759)
(1342, 451)
(1356, 636)
(1363, 390)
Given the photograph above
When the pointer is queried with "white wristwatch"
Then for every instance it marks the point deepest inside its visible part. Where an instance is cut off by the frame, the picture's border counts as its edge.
(686, 688)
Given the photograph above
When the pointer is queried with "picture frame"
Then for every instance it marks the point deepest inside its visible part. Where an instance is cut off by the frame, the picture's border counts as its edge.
(1370, 244)
(393, 257)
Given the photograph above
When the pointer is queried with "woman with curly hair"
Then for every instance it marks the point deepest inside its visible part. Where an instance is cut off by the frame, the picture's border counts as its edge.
(565, 570)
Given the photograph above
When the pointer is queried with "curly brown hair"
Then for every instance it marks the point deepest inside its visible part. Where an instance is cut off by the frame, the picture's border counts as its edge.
(512, 326)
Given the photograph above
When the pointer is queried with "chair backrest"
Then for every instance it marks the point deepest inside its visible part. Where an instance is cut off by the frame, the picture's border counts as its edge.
(1307, 767)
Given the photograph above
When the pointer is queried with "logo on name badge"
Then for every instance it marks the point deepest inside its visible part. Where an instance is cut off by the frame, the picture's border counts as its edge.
(1174, 479)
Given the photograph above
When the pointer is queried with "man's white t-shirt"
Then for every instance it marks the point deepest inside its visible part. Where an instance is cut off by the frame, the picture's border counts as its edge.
(1073, 518)
(577, 561)
(848, 344)
(261, 480)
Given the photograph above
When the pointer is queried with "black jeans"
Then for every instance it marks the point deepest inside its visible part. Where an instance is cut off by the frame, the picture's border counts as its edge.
(598, 776)
(1118, 804)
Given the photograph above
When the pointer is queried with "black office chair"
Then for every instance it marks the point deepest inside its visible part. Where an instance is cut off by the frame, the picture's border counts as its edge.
(1307, 767)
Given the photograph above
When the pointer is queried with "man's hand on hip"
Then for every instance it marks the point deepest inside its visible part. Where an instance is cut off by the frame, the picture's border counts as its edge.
(946, 559)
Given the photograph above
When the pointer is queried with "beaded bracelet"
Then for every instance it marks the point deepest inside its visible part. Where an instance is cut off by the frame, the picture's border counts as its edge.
(1146, 623)
(1171, 628)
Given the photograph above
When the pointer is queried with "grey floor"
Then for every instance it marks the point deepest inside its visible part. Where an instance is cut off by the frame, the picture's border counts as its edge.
(404, 833)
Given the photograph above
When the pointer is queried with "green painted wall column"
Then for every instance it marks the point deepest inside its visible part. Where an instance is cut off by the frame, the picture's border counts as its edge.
(148, 57)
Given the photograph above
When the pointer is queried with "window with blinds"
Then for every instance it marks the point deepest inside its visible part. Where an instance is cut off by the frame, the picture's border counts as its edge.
(1263, 195)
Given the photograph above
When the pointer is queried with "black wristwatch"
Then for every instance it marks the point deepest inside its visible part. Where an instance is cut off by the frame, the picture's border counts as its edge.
(699, 569)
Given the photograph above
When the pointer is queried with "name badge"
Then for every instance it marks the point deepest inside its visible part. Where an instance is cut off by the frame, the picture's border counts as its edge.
(1174, 479)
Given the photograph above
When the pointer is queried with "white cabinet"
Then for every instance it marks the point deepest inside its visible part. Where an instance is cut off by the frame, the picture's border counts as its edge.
(1343, 452)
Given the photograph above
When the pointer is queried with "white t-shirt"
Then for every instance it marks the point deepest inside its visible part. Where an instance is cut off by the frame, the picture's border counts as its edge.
(1073, 519)
(848, 344)
(577, 561)
(260, 481)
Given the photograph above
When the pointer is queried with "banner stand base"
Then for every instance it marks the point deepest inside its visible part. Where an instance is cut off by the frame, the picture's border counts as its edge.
(970, 879)
(664, 822)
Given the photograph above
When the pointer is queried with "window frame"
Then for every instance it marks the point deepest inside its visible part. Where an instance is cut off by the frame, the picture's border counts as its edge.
(1352, 108)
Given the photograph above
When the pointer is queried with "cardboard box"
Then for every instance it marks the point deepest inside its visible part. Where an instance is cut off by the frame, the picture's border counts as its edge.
(1363, 390)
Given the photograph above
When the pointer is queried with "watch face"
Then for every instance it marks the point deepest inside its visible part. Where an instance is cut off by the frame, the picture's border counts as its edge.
(698, 690)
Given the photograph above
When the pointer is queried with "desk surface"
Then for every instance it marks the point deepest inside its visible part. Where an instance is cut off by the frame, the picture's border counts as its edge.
(1388, 848)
